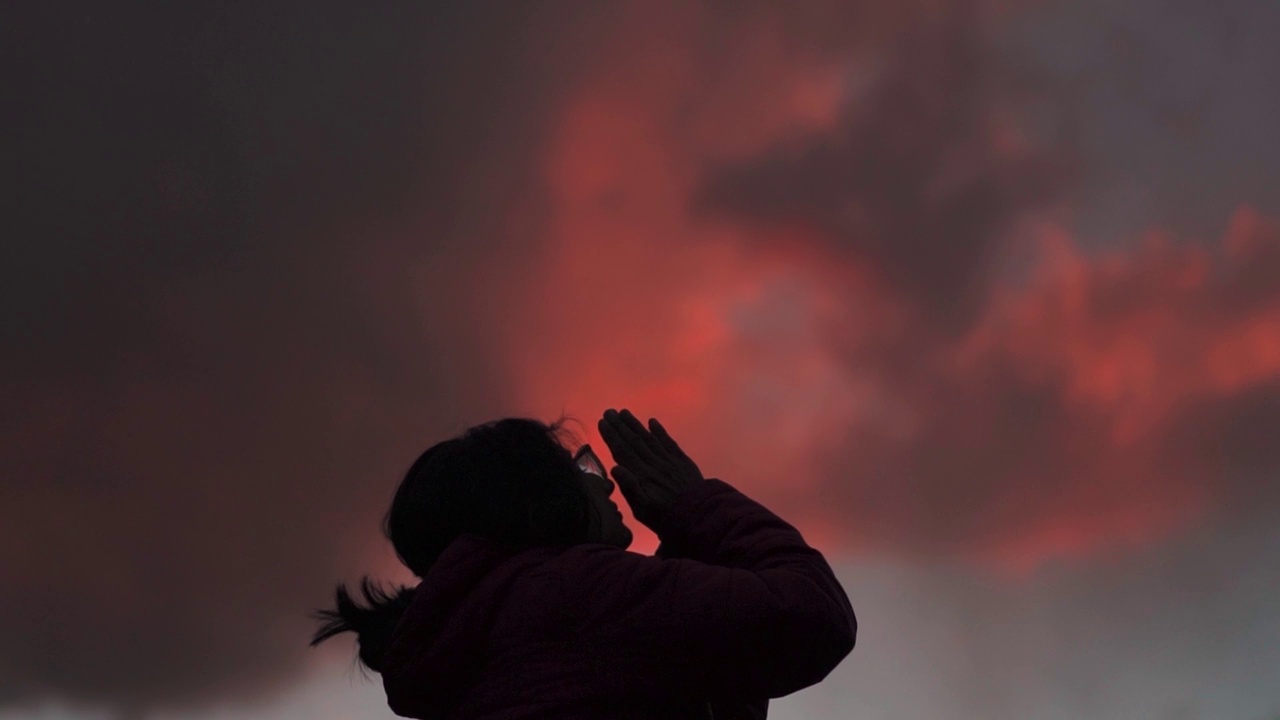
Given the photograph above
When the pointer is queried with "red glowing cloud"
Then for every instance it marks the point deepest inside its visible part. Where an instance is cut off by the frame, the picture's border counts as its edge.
(803, 278)
(255, 273)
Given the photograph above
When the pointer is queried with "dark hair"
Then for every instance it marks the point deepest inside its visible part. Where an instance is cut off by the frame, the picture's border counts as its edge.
(513, 481)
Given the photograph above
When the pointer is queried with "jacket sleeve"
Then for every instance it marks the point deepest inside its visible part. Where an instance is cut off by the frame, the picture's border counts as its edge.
(736, 604)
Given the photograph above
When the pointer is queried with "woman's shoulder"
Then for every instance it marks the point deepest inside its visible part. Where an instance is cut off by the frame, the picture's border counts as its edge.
(599, 559)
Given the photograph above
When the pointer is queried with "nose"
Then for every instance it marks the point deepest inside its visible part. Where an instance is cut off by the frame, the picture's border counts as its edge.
(609, 484)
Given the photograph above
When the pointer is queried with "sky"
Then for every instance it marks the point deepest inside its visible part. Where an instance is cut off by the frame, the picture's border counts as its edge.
(981, 295)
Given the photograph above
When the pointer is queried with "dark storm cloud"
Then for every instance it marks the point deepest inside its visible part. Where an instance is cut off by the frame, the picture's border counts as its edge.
(1101, 407)
(1118, 402)
(1176, 101)
(1233, 438)
(242, 266)
(214, 370)
(915, 181)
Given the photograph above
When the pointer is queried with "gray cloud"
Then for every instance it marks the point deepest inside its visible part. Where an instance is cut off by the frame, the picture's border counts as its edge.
(245, 266)
(236, 305)
(914, 182)
(1126, 405)
(915, 187)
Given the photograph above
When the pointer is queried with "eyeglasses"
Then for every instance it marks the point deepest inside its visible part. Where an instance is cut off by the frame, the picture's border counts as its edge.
(588, 462)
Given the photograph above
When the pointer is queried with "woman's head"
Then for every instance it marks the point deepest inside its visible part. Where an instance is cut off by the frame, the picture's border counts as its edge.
(514, 481)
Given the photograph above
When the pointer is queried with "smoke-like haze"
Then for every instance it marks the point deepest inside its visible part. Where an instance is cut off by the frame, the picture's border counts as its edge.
(258, 257)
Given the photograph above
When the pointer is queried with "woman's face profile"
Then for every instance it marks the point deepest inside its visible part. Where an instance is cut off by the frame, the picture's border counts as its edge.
(605, 517)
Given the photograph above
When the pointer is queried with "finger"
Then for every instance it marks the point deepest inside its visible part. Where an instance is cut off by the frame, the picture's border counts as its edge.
(619, 446)
(611, 439)
(628, 484)
(624, 476)
(634, 443)
(648, 442)
(665, 438)
(678, 455)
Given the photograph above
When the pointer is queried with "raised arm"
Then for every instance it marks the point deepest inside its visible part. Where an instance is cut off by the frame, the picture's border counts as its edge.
(761, 615)
(738, 604)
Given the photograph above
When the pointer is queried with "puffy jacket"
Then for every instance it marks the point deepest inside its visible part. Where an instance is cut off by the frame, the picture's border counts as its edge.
(733, 609)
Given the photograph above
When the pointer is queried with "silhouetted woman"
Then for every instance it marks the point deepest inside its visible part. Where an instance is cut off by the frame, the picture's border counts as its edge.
(530, 606)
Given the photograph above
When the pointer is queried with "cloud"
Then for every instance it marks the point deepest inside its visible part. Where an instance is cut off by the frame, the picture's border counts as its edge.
(921, 180)
(263, 256)
(236, 305)
(1107, 403)
(876, 316)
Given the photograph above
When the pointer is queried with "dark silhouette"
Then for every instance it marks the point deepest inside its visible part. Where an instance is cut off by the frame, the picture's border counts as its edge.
(530, 606)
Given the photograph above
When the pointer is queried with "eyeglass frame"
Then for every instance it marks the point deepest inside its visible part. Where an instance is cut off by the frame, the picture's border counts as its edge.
(586, 456)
